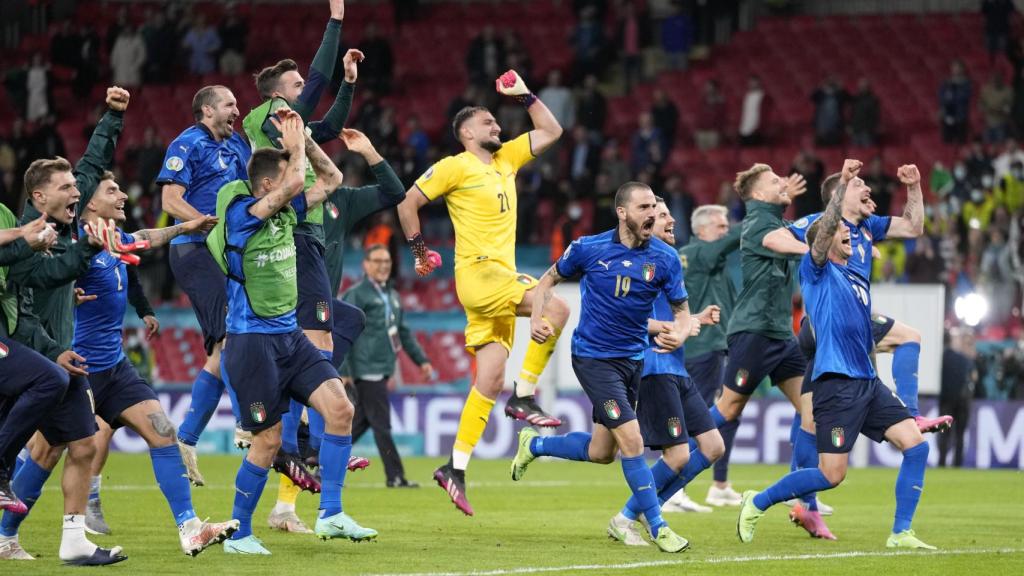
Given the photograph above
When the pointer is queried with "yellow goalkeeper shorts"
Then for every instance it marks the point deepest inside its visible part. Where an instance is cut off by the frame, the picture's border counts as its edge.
(490, 292)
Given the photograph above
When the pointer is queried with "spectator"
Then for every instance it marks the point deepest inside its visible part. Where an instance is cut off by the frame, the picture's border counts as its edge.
(88, 68)
(954, 104)
(583, 159)
(1010, 191)
(1012, 153)
(234, 34)
(588, 43)
(813, 170)
(676, 38)
(147, 159)
(115, 29)
(128, 57)
(558, 99)
(371, 362)
(865, 115)
(681, 204)
(666, 118)
(203, 43)
(485, 57)
(647, 147)
(976, 212)
(593, 107)
(923, 265)
(997, 14)
(996, 275)
(161, 48)
(516, 56)
(707, 135)
(37, 86)
(978, 161)
(829, 112)
(417, 139)
(996, 104)
(882, 185)
(46, 141)
(957, 392)
(66, 47)
(752, 114)
(376, 70)
(632, 36)
(567, 227)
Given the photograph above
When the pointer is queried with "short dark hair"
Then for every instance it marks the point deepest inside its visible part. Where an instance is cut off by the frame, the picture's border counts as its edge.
(462, 116)
(206, 96)
(373, 248)
(40, 171)
(828, 187)
(268, 78)
(264, 164)
(625, 192)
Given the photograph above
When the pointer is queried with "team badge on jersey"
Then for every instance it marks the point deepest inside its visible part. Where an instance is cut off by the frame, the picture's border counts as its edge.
(524, 279)
(323, 312)
(259, 413)
(838, 438)
(675, 428)
(428, 173)
(4, 350)
(741, 378)
(648, 272)
(611, 408)
(175, 163)
(801, 223)
(332, 209)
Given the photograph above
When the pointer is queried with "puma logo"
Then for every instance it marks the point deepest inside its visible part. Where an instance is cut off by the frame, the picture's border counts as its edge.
(603, 263)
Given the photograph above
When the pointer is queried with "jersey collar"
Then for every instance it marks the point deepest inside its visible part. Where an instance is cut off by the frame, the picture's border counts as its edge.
(617, 240)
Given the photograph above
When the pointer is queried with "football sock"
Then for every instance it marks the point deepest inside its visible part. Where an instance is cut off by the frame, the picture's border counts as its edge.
(287, 494)
(290, 428)
(316, 428)
(206, 392)
(73, 543)
(717, 417)
(697, 464)
(94, 486)
(249, 485)
(173, 482)
(909, 485)
(472, 423)
(792, 485)
(537, 357)
(793, 429)
(663, 474)
(805, 455)
(641, 482)
(19, 461)
(28, 485)
(728, 432)
(905, 361)
(334, 453)
(571, 446)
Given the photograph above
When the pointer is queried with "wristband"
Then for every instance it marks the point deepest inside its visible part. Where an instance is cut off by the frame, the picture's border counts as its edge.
(419, 247)
(526, 100)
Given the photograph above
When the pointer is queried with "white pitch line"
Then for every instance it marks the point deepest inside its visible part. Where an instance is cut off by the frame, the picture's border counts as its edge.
(381, 486)
(720, 560)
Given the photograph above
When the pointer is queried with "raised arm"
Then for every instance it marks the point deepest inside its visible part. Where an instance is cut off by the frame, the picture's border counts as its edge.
(911, 223)
(293, 140)
(158, 237)
(173, 202)
(99, 153)
(328, 176)
(321, 70)
(358, 203)
(540, 329)
(546, 129)
(833, 215)
(329, 127)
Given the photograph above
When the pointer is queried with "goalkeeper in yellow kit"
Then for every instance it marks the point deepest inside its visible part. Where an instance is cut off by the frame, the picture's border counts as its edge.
(479, 186)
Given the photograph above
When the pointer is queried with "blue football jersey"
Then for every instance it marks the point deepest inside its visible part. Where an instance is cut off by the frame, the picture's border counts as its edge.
(862, 237)
(196, 161)
(664, 363)
(99, 323)
(838, 303)
(618, 286)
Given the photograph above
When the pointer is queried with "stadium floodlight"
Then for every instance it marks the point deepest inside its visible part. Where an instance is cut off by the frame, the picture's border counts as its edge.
(971, 309)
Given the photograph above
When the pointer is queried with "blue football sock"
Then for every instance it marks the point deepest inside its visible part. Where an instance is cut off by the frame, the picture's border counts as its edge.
(641, 482)
(717, 417)
(249, 485)
(909, 485)
(334, 453)
(792, 485)
(206, 392)
(663, 475)
(28, 485)
(697, 464)
(905, 360)
(728, 432)
(290, 428)
(170, 476)
(316, 428)
(805, 455)
(19, 461)
(572, 446)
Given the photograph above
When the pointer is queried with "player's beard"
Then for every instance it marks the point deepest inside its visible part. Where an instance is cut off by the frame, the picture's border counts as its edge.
(491, 146)
(636, 228)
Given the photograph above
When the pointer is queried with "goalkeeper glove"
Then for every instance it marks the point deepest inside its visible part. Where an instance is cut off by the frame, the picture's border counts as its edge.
(510, 84)
(426, 260)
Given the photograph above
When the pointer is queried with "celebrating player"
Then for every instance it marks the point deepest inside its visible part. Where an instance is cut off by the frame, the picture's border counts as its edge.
(199, 161)
(622, 273)
(480, 192)
(848, 398)
(120, 395)
(672, 414)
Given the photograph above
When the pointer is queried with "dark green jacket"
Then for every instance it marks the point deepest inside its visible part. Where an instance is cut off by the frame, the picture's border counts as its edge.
(10, 253)
(346, 206)
(708, 283)
(372, 353)
(45, 284)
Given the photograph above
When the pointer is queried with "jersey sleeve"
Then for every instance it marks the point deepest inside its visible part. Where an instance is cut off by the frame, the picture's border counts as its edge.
(126, 238)
(800, 227)
(177, 167)
(811, 272)
(241, 223)
(753, 237)
(570, 264)
(879, 227)
(439, 179)
(300, 206)
(517, 151)
(674, 287)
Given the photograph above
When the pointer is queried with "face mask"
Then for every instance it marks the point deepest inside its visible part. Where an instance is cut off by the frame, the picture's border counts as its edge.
(986, 181)
(575, 212)
(960, 172)
(929, 212)
(977, 197)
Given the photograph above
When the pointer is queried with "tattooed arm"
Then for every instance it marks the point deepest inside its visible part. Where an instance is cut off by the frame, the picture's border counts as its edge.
(540, 330)
(158, 237)
(293, 141)
(824, 230)
(328, 176)
(911, 224)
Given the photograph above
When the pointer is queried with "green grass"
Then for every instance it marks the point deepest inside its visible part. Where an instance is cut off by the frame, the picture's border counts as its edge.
(556, 517)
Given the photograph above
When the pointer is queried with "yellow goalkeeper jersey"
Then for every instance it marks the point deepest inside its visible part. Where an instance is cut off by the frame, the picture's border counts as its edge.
(481, 201)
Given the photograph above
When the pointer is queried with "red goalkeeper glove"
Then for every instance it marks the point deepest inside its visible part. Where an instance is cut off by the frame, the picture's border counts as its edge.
(426, 259)
(510, 84)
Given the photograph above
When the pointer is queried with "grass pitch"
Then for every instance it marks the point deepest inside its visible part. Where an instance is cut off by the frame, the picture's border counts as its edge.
(553, 522)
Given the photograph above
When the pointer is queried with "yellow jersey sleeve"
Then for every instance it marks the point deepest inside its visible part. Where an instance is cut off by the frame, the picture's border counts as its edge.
(516, 152)
(441, 178)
